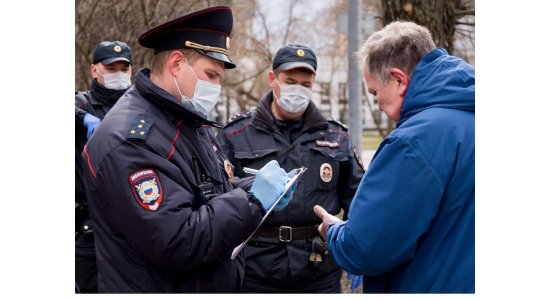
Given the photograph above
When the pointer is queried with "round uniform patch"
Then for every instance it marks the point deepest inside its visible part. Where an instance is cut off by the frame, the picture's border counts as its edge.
(146, 188)
(117, 48)
(300, 52)
(326, 172)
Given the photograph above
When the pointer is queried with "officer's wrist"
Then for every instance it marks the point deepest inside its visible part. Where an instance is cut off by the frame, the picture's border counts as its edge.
(253, 199)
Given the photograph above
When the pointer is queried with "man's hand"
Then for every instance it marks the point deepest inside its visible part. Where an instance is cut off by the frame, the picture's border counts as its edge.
(356, 280)
(91, 122)
(327, 220)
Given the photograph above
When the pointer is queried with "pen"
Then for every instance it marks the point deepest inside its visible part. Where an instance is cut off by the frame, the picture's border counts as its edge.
(250, 171)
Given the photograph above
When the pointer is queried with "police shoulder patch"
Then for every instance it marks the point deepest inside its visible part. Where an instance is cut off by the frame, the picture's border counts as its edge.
(81, 98)
(338, 123)
(139, 129)
(238, 117)
(146, 187)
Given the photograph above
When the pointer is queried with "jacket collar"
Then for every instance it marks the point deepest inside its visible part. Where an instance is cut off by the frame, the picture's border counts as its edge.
(100, 95)
(312, 118)
(167, 102)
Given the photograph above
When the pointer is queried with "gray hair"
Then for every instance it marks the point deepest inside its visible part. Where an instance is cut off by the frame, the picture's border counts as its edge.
(398, 45)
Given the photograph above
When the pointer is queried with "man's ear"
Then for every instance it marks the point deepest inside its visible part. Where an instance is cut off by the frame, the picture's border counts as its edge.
(402, 80)
(93, 70)
(271, 79)
(175, 61)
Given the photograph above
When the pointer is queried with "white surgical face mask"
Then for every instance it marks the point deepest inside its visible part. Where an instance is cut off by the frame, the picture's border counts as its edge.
(206, 94)
(294, 97)
(116, 81)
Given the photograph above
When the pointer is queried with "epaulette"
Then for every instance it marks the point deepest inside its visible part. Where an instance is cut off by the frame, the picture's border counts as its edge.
(81, 98)
(238, 117)
(139, 129)
(330, 119)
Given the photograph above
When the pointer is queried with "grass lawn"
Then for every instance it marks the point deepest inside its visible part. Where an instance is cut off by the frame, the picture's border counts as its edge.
(371, 139)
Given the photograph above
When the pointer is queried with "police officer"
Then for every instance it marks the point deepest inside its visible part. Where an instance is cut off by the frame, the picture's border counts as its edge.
(166, 216)
(111, 69)
(286, 254)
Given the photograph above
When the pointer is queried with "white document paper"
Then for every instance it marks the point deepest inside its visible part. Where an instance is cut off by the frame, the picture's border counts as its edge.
(288, 186)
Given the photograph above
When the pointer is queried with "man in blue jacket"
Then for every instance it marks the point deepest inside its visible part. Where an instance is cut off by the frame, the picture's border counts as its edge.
(411, 226)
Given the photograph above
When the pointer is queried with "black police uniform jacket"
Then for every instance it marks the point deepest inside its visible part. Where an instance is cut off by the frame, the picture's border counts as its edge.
(253, 139)
(97, 101)
(154, 231)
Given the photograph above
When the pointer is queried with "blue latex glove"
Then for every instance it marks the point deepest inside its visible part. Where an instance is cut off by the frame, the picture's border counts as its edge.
(269, 184)
(286, 199)
(356, 280)
(91, 122)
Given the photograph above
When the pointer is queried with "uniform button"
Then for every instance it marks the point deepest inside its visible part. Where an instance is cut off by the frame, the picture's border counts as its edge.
(86, 227)
(140, 126)
(132, 131)
(142, 121)
(142, 132)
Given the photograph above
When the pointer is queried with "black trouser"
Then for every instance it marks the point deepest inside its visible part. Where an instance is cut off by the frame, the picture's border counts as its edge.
(85, 264)
(273, 266)
(331, 286)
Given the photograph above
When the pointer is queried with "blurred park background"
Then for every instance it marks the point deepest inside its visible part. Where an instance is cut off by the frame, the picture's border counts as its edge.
(261, 27)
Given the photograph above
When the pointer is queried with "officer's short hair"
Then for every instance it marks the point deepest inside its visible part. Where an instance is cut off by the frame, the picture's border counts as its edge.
(160, 59)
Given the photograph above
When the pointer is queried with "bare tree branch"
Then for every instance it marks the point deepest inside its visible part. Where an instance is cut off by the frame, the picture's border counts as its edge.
(465, 23)
(290, 21)
(248, 78)
(90, 15)
(146, 21)
(242, 91)
(462, 13)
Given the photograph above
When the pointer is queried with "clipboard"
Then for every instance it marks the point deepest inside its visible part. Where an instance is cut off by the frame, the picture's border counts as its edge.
(288, 185)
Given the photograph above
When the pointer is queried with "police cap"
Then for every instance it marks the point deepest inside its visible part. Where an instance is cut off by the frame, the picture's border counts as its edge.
(206, 31)
(107, 52)
(293, 56)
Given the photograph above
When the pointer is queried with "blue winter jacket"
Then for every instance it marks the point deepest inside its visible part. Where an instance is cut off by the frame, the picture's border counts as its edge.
(411, 222)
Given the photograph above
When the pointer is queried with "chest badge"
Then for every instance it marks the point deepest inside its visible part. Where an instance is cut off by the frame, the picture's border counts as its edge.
(326, 172)
(228, 167)
(146, 189)
(323, 143)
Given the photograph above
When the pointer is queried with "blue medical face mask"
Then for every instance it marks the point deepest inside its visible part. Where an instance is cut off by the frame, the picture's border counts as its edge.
(294, 97)
(204, 98)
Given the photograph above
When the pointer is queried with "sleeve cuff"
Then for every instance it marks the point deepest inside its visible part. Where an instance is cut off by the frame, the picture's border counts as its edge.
(253, 199)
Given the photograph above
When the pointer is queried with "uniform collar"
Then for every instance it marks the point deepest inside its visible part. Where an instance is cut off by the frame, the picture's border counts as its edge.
(167, 102)
(312, 119)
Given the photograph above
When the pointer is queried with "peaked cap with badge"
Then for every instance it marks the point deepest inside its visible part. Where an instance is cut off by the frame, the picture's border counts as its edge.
(207, 31)
(108, 52)
(294, 56)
